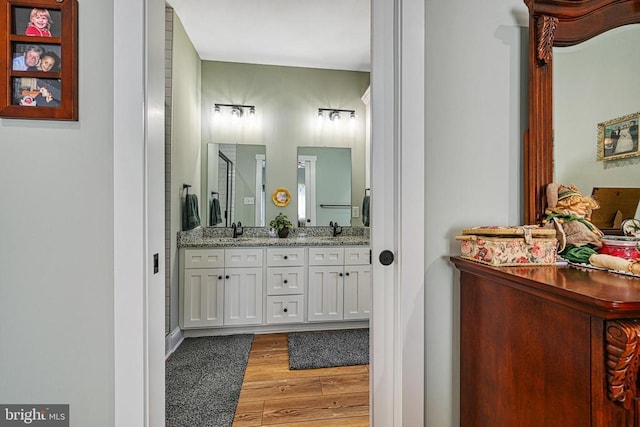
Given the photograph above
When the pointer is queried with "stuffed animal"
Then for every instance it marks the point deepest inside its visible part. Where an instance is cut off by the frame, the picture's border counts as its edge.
(569, 212)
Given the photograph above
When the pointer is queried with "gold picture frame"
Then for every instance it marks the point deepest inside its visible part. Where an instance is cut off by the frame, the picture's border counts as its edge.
(618, 138)
(281, 197)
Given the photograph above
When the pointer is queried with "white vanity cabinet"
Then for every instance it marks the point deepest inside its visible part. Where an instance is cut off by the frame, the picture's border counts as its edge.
(273, 288)
(221, 287)
(285, 285)
(339, 284)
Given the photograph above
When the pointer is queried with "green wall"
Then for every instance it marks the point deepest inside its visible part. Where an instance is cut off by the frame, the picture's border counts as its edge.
(287, 101)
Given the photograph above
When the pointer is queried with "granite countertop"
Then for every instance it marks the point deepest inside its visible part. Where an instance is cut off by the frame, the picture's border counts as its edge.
(208, 239)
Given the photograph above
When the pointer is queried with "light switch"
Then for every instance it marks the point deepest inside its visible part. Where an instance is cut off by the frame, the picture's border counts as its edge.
(355, 212)
(249, 200)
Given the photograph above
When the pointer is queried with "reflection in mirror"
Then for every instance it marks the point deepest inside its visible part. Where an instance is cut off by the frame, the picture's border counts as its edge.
(593, 82)
(235, 184)
(324, 185)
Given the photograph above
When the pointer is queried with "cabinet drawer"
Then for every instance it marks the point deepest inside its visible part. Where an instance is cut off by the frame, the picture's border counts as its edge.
(326, 256)
(285, 309)
(203, 258)
(285, 257)
(356, 256)
(243, 258)
(285, 280)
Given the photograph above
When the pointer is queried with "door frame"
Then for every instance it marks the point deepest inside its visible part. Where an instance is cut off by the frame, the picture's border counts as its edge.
(398, 214)
(397, 203)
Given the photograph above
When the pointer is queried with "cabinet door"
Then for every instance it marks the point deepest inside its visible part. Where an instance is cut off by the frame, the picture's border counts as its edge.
(285, 309)
(243, 296)
(325, 293)
(285, 280)
(357, 292)
(203, 297)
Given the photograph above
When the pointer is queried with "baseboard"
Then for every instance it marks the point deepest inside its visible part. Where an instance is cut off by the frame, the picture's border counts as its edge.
(172, 341)
(274, 329)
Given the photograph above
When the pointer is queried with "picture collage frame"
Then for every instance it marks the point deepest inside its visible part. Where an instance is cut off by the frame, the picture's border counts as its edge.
(40, 50)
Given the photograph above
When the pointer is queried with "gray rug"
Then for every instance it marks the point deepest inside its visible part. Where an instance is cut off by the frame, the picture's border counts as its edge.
(327, 349)
(203, 380)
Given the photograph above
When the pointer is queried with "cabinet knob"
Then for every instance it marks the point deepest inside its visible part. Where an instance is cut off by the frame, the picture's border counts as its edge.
(219, 277)
(226, 277)
(285, 310)
(346, 274)
(286, 257)
(285, 281)
(341, 274)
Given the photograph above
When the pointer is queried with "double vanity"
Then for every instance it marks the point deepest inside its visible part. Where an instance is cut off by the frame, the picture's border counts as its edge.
(255, 283)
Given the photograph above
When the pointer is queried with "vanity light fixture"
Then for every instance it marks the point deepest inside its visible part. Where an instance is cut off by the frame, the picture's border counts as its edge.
(237, 110)
(334, 113)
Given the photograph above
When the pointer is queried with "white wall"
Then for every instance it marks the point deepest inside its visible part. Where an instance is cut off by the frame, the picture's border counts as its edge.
(475, 115)
(57, 263)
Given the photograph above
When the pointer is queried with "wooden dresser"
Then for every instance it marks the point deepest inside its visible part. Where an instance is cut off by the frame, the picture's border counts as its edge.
(548, 346)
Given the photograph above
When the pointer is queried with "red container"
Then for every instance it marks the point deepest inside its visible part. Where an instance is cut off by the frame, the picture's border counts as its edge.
(622, 247)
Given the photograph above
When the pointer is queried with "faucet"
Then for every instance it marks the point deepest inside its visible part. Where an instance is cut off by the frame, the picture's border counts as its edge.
(336, 229)
(237, 229)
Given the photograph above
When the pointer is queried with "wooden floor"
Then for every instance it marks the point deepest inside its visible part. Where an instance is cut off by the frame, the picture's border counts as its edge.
(273, 395)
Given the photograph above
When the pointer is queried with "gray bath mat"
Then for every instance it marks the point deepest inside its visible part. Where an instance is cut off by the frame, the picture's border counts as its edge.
(327, 349)
(203, 380)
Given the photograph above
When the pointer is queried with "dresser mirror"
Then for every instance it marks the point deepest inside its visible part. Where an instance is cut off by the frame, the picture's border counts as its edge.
(235, 185)
(562, 34)
(324, 186)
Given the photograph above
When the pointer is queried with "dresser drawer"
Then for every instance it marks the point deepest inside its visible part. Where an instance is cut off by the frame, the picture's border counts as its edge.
(204, 258)
(243, 257)
(326, 256)
(285, 280)
(357, 256)
(285, 257)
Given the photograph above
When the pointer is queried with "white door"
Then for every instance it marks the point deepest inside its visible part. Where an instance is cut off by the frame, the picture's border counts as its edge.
(397, 212)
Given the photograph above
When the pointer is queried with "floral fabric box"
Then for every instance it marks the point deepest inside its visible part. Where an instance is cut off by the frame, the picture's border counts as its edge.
(509, 246)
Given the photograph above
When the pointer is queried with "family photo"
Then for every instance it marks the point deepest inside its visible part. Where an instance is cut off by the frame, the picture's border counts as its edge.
(618, 138)
(40, 57)
(36, 22)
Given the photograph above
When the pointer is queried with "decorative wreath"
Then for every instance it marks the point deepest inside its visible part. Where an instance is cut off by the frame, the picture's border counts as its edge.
(281, 197)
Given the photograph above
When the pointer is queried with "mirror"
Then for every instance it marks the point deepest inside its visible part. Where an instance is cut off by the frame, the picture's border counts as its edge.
(581, 100)
(235, 185)
(559, 23)
(324, 186)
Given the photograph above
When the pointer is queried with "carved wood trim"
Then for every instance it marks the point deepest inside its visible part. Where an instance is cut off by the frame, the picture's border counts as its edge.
(545, 32)
(622, 354)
